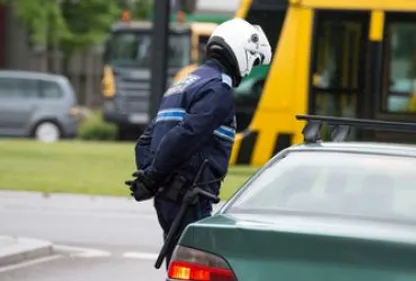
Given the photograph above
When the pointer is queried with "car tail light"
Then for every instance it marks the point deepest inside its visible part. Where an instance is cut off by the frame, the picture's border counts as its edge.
(191, 264)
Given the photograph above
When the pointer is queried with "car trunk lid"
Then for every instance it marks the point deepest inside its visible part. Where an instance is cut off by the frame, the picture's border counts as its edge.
(291, 249)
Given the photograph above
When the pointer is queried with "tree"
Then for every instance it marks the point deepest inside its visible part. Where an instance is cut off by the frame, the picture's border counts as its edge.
(37, 15)
(86, 23)
(139, 9)
(70, 25)
(74, 24)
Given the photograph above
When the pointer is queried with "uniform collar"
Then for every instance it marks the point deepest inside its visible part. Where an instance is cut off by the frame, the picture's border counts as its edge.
(225, 77)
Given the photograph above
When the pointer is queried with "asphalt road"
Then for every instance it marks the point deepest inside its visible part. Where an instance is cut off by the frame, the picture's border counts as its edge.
(97, 238)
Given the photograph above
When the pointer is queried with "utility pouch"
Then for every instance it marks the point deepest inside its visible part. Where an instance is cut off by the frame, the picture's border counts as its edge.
(176, 188)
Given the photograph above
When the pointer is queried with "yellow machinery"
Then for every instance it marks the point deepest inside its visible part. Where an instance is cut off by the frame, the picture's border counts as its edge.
(353, 58)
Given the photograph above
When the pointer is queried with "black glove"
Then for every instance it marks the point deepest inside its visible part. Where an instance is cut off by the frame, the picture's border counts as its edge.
(143, 187)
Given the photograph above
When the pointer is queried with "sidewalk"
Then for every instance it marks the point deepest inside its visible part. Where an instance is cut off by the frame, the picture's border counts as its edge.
(18, 249)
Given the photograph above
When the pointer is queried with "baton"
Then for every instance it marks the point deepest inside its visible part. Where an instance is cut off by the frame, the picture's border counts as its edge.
(188, 199)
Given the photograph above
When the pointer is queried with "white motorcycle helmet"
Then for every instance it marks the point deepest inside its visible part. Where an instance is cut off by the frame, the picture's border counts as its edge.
(239, 46)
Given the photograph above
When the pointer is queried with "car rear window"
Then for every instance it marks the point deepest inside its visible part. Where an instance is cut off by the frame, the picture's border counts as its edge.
(334, 183)
(50, 90)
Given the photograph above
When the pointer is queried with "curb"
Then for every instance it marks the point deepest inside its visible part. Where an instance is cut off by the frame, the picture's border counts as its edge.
(18, 249)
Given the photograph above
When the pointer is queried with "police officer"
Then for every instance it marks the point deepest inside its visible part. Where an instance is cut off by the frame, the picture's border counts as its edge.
(196, 121)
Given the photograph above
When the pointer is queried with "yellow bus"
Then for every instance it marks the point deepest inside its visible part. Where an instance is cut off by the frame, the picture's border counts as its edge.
(353, 58)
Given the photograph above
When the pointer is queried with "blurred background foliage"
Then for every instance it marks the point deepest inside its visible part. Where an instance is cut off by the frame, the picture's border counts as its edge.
(72, 25)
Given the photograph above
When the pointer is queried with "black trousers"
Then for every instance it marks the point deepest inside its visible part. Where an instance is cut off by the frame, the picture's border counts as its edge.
(166, 213)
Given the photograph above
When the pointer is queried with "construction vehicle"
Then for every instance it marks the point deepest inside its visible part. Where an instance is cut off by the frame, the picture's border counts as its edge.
(126, 81)
(126, 75)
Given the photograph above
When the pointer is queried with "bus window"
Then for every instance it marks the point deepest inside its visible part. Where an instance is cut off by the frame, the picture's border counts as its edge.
(338, 64)
(399, 91)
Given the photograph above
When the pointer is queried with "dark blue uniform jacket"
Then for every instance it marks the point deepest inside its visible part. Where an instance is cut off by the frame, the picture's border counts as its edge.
(195, 121)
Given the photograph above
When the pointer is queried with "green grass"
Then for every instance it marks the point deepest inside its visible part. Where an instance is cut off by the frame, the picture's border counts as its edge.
(79, 167)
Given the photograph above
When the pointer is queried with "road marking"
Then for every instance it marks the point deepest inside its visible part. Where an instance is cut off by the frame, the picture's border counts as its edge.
(29, 263)
(140, 255)
(79, 252)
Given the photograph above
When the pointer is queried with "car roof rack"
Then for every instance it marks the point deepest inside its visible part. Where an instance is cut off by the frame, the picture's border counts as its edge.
(342, 126)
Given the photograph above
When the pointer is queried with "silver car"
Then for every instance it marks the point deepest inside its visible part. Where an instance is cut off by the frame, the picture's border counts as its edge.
(39, 105)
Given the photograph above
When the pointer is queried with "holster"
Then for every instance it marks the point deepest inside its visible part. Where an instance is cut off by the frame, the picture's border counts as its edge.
(176, 187)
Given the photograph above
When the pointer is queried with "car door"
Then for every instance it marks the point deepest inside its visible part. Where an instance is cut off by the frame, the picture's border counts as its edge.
(18, 104)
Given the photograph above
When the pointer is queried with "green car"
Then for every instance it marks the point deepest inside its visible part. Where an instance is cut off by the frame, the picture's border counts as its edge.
(320, 211)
